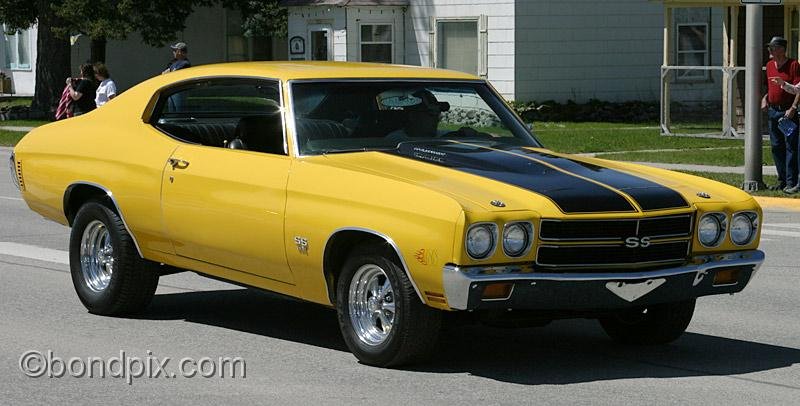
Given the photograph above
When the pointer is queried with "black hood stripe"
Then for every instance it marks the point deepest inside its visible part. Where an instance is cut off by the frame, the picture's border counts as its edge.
(649, 195)
(568, 192)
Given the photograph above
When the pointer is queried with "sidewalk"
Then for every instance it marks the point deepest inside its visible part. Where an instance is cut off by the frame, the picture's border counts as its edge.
(13, 128)
(767, 170)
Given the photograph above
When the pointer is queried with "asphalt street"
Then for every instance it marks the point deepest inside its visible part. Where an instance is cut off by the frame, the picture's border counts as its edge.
(741, 349)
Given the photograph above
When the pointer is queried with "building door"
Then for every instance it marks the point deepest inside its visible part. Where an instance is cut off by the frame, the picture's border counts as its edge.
(320, 42)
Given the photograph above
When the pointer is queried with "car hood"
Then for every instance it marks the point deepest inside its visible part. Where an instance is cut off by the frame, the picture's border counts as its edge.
(523, 178)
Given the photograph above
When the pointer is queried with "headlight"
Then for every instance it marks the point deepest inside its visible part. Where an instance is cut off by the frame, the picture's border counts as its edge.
(481, 240)
(517, 238)
(711, 229)
(743, 227)
(12, 169)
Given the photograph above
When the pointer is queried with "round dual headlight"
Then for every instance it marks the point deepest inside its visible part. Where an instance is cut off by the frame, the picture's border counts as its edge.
(481, 240)
(517, 238)
(743, 228)
(711, 229)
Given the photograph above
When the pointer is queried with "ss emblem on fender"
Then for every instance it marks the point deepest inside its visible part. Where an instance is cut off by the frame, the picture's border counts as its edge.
(634, 242)
(302, 245)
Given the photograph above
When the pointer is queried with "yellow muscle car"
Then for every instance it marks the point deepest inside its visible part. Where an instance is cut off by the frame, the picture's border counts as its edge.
(398, 195)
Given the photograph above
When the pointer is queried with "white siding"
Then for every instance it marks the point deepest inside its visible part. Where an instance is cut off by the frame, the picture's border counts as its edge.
(583, 49)
(500, 26)
(375, 15)
(301, 17)
(23, 80)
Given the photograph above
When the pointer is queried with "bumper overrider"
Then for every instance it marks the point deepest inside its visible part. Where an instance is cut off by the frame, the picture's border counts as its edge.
(704, 275)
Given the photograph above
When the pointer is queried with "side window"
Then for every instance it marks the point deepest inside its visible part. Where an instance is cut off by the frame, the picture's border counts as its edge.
(224, 113)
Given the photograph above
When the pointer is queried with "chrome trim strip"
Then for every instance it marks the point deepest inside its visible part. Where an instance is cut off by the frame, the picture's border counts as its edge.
(12, 167)
(638, 223)
(388, 241)
(756, 224)
(114, 201)
(458, 281)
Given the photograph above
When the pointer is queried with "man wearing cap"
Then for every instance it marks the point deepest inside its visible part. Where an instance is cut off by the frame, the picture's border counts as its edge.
(180, 59)
(778, 104)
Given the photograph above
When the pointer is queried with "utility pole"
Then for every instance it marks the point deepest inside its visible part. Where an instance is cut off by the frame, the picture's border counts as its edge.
(754, 48)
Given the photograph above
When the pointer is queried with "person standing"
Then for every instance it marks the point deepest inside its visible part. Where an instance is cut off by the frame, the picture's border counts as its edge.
(107, 89)
(778, 104)
(82, 91)
(180, 60)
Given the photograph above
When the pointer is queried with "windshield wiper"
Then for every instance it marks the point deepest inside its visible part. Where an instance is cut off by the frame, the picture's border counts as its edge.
(345, 150)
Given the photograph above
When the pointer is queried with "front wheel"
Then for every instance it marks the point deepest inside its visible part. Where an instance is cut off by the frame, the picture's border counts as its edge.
(109, 276)
(382, 319)
(657, 324)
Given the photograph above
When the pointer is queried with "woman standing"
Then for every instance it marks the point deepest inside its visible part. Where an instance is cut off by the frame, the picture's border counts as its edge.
(107, 89)
(82, 90)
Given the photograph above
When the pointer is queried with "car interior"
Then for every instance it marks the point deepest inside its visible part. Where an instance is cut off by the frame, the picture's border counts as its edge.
(241, 114)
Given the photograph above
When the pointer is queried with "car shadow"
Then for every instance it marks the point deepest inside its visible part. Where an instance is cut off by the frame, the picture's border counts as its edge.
(564, 352)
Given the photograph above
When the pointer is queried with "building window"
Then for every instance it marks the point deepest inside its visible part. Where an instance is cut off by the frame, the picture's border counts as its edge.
(692, 50)
(18, 50)
(376, 43)
(456, 45)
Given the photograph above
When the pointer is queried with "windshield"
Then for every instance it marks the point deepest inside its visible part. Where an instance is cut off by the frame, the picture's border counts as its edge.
(354, 115)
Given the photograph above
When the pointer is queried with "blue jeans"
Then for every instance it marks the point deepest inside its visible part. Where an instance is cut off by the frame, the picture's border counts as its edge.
(784, 149)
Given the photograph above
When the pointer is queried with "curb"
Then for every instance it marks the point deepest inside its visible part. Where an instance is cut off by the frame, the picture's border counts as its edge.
(778, 203)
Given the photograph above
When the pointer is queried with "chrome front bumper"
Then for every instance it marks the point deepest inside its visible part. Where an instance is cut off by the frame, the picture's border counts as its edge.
(463, 287)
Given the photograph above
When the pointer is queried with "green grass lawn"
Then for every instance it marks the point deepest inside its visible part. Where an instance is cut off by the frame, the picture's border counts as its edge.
(10, 138)
(605, 137)
(735, 179)
(23, 123)
(720, 157)
(15, 101)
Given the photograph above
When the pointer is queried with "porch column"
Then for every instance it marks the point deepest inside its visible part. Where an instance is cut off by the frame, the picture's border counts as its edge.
(665, 97)
(726, 74)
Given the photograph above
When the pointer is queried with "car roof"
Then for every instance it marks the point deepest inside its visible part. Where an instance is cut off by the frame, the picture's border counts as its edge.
(292, 70)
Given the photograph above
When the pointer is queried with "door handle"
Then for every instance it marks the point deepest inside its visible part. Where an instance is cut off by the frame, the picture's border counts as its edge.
(177, 163)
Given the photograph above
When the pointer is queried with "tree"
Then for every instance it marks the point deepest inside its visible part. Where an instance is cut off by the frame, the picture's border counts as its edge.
(52, 62)
(261, 17)
(100, 20)
(157, 22)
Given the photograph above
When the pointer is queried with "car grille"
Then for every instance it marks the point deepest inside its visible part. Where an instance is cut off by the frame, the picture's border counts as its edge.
(578, 230)
(598, 244)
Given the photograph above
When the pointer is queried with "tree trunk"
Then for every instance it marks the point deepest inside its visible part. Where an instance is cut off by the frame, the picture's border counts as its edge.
(52, 62)
(98, 50)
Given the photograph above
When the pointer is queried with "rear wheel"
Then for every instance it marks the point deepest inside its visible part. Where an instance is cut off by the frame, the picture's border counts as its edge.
(657, 324)
(109, 276)
(382, 319)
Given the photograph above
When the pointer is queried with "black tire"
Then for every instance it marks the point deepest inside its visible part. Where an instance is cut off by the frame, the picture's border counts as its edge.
(657, 324)
(133, 281)
(415, 329)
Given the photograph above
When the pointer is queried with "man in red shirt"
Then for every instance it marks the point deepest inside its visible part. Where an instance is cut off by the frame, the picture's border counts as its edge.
(778, 104)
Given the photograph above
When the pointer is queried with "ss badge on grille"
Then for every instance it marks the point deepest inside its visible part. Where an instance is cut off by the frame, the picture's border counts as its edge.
(633, 291)
(634, 242)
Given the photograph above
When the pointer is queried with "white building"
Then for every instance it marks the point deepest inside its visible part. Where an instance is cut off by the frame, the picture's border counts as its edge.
(528, 49)
(18, 56)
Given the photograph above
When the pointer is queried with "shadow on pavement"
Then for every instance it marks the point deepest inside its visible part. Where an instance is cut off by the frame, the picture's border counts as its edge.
(568, 351)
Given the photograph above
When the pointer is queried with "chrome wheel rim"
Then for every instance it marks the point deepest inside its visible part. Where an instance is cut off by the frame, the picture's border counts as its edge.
(372, 304)
(97, 256)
